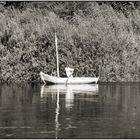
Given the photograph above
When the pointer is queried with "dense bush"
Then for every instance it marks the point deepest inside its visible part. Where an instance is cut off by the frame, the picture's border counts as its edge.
(95, 38)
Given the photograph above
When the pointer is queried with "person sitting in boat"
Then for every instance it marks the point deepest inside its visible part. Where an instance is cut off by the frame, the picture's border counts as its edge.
(69, 71)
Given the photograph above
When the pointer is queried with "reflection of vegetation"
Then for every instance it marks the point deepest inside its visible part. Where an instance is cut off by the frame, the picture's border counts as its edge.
(90, 34)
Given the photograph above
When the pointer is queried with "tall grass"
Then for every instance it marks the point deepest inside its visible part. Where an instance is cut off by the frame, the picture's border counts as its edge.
(102, 43)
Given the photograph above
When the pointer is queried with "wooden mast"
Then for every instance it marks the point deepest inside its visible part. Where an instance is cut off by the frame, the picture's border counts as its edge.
(57, 55)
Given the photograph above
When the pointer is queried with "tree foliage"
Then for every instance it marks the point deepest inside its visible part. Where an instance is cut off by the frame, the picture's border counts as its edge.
(95, 38)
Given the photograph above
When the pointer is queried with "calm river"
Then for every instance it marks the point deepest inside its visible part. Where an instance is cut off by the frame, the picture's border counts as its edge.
(81, 111)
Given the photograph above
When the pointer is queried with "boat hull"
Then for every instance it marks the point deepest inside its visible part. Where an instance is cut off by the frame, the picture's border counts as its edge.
(71, 80)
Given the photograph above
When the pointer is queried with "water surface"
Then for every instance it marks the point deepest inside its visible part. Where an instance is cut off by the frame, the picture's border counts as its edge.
(81, 111)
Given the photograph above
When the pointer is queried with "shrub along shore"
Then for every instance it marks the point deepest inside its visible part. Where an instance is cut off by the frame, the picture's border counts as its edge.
(95, 38)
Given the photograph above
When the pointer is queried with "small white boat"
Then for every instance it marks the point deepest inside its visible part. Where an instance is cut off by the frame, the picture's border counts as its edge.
(67, 80)
(69, 71)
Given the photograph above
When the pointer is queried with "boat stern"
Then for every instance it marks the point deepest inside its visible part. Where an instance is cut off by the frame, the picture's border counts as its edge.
(42, 77)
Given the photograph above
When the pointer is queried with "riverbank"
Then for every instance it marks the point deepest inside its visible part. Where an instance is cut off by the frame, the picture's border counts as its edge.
(94, 38)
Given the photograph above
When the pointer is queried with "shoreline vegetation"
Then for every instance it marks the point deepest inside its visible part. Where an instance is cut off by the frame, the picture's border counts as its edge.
(95, 38)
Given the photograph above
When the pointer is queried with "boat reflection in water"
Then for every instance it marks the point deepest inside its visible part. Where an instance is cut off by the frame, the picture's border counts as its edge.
(69, 92)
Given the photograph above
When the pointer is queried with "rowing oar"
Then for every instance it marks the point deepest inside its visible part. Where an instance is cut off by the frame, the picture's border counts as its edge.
(68, 79)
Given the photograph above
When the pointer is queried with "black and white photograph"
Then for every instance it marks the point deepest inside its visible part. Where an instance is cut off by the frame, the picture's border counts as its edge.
(69, 69)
